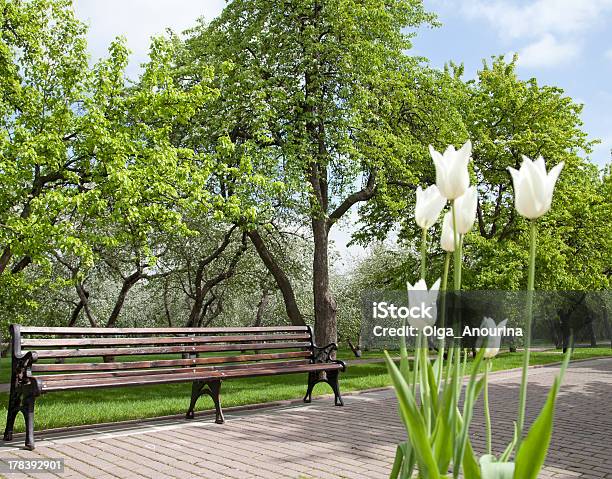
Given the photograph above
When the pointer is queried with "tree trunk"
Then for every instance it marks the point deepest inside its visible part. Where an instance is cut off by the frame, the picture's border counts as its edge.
(261, 307)
(5, 258)
(76, 312)
(282, 281)
(128, 283)
(325, 307)
(196, 309)
(85, 300)
(212, 316)
(166, 305)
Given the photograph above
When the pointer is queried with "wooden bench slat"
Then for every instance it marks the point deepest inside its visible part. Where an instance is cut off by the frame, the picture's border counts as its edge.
(149, 372)
(152, 331)
(94, 352)
(156, 340)
(160, 363)
(187, 377)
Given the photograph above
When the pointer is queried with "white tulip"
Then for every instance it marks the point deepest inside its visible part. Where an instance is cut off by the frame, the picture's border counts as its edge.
(465, 210)
(447, 240)
(452, 176)
(533, 188)
(425, 300)
(493, 340)
(429, 204)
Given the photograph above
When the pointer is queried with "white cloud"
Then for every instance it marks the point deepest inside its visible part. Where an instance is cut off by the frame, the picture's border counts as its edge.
(536, 18)
(555, 28)
(138, 20)
(548, 51)
(608, 54)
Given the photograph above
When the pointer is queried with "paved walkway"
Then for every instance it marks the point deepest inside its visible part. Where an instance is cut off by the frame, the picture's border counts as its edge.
(326, 442)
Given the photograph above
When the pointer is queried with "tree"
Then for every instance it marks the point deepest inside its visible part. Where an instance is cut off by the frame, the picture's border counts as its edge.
(85, 157)
(310, 92)
(506, 117)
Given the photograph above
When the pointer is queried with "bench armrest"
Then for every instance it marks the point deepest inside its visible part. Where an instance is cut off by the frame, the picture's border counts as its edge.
(22, 364)
(322, 354)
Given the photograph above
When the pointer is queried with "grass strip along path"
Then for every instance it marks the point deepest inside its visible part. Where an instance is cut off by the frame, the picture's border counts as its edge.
(110, 405)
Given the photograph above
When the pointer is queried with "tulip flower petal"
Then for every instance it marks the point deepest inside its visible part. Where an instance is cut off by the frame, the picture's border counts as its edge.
(553, 176)
(537, 183)
(533, 188)
(452, 176)
(418, 296)
(493, 339)
(465, 152)
(465, 208)
(541, 166)
(447, 240)
(429, 204)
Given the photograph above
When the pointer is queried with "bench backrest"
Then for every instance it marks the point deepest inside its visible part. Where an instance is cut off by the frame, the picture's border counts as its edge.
(83, 349)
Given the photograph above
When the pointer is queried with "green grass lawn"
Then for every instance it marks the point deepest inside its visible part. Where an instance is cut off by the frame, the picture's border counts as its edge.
(108, 405)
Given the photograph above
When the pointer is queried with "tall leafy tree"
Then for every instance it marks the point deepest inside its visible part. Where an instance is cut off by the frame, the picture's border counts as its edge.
(506, 117)
(311, 92)
(86, 157)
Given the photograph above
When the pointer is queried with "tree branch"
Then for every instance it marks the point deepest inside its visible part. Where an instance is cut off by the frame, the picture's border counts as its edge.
(362, 195)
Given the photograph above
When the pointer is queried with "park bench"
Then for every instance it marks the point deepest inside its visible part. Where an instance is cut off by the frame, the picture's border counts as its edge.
(64, 359)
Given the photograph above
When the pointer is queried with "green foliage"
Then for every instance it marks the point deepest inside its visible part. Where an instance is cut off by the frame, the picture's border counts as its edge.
(506, 117)
(87, 161)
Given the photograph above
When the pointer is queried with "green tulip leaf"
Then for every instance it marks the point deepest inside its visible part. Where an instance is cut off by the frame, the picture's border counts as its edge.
(532, 451)
(442, 435)
(397, 462)
(404, 363)
(414, 422)
(504, 457)
(469, 464)
(472, 391)
(433, 387)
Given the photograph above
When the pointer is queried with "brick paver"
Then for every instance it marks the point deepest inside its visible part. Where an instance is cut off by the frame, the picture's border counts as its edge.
(326, 442)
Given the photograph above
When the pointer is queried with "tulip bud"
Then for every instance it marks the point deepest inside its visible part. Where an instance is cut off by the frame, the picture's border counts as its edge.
(421, 297)
(447, 240)
(533, 188)
(429, 204)
(493, 340)
(452, 176)
(465, 210)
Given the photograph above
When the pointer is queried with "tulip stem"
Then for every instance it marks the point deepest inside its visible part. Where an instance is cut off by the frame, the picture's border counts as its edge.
(424, 253)
(486, 405)
(415, 363)
(530, 288)
(457, 257)
(443, 316)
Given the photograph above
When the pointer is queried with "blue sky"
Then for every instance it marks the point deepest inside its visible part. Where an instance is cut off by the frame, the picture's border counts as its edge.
(566, 43)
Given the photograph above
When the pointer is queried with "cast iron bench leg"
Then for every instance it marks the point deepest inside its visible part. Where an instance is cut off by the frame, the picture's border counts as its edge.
(312, 380)
(213, 389)
(28, 412)
(331, 379)
(13, 410)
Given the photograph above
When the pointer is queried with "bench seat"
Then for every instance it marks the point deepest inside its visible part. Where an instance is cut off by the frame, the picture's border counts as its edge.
(86, 381)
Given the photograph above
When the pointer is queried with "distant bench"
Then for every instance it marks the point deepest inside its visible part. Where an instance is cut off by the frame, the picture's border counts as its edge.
(228, 353)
